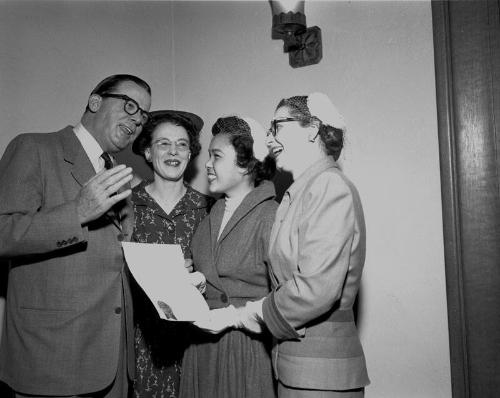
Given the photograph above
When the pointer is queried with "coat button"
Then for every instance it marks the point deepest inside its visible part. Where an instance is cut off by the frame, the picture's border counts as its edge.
(118, 310)
(223, 297)
(120, 237)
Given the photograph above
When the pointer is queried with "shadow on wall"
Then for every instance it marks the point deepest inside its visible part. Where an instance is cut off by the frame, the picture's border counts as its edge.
(138, 164)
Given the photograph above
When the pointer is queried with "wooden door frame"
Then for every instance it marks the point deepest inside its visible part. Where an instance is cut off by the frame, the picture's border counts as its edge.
(467, 59)
(449, 195)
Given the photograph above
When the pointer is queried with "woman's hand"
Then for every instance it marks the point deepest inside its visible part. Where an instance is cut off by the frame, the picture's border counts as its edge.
(188, 264)
(250, 316)
(218, 320)
(198, 280)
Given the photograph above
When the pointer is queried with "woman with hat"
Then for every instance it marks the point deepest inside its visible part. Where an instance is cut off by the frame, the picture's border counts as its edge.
(230, 248)
(317, 253)
(167, 210)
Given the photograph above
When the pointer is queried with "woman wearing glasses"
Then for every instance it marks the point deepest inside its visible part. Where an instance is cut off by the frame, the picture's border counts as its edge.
(317, 256)
(167, 210)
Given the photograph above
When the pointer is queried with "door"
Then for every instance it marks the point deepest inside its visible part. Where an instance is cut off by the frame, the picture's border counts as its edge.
(467, 60)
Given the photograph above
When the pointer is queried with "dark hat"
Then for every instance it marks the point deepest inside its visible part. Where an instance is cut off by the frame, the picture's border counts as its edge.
(190, 118)
(193, 123)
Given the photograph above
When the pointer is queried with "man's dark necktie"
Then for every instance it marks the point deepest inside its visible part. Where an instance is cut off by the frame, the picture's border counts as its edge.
(108, 164)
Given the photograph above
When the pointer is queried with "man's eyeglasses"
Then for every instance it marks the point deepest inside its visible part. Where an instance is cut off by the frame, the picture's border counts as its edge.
(273, 130)
(130, 106)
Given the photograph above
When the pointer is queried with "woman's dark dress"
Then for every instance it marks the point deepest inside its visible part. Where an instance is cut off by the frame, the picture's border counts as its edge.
(159, 345)
(233, 364)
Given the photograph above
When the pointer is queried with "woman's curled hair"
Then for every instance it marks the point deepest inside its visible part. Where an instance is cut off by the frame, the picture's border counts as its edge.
(240, 136)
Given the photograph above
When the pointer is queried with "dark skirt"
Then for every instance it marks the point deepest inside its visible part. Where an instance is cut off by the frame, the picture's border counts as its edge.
(159, 348)
(154, 379)
(234, 364)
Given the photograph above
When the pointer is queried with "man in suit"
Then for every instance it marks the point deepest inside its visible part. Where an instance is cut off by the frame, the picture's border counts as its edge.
(64, 210)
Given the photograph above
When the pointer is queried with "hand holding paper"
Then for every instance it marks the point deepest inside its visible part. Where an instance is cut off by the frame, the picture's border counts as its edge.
(198, 280)
(218, 320)
(160, 271)
(248, 317)
(188, 264)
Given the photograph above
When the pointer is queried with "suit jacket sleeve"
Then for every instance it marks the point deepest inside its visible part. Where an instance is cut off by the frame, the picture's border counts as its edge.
(27, 225)
(325, 235)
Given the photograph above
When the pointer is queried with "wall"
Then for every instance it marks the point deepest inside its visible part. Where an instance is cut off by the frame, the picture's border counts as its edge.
(216, 58)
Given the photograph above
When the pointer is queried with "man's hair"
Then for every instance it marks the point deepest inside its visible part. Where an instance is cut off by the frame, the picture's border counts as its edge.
(109, 84)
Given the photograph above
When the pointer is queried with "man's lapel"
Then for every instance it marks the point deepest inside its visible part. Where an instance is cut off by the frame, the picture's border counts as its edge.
(80, 166)
(74, 154)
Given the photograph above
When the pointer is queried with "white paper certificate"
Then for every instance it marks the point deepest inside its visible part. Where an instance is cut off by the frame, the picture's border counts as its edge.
(159, 270)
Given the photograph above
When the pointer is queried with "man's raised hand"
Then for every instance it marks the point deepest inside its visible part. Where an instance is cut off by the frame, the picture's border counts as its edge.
(96, 197)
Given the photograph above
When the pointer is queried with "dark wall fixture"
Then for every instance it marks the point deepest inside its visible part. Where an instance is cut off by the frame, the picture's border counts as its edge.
(302, 44)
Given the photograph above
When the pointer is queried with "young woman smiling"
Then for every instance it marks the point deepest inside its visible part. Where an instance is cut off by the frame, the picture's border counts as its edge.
(230, 248)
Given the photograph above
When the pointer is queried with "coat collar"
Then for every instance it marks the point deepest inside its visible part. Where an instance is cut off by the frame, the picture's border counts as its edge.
(82, 170)
(309, 174)
(265, 191)
(296, 189)
(81, 167)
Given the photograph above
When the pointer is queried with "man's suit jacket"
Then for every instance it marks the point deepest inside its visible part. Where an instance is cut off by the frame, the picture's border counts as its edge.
(317, 253)
(68, 287)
